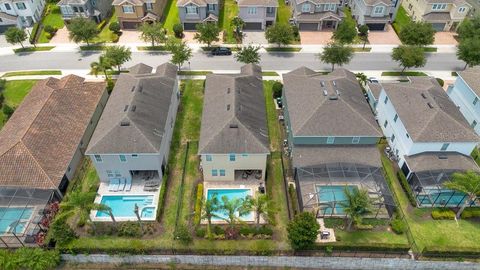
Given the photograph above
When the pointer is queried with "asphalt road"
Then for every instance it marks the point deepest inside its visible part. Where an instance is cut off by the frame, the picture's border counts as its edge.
(202, 61)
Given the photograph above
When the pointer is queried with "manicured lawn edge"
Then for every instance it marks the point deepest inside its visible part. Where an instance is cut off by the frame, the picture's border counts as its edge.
(283, 49)
(430, 49)
(154, 48)
(32, 73)
(366, 49)
(34, 49)
(269, 73)
(401, 19)
(93, 47)
(194, 72)
(406, 73)
(454, 74)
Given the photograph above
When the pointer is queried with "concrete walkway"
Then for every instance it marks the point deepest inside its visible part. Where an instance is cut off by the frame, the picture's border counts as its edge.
(280, 261)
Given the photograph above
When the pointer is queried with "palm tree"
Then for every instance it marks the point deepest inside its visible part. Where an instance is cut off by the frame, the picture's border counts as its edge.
(468, 183)
(107, 209)
(210, 206)
(232, 207)
(262, 206)
(102, 66)
(83, 202)
(238, 23)
(356, 205)
(362, 78)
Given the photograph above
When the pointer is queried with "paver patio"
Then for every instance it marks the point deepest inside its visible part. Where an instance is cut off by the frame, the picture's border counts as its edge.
(315, 37)
(445, 38)
(384, 37)
(254, 37)
(130, 36)
(61, 36)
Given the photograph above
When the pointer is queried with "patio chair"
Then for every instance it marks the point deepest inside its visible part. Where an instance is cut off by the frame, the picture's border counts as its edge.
(152, 183)
(114, 184)
(121, 187)
(150, 188)
(128, 184)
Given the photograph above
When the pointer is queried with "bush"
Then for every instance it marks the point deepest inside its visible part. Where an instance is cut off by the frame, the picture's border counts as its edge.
(50, 29)
(246, 230)
(398, 226)
(440, 81)
(110, 85)
(61, 233)
(406, 187)
(198, 205)
(264, 230)
(130, 229)
(7, 110)
(178, 30)
(303, 230)
(183, 235)
(201, 232)
(382, 247)
(277, 89)
(471, 213)
(364, 226)
(33, 35)
(29, 258)
(218, 230)
(443, 213)
(114, 27)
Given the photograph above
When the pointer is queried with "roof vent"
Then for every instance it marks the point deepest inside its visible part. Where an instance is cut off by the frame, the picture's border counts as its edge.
(233, 126)
(334, 83)
(126, 108)
(322, 83)
(430, 105)
(335, 97)
(325, 93)
(442, 157)
(134, 108)
(228, 90)
(124, 123)
(133, 88)
(228, 107)
(424, 96)
(338, 92)
(140, 88)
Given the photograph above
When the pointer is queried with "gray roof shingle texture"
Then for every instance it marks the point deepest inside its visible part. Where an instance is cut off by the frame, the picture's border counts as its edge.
(234, 115)
(181, 3)
(314, 114)
(143, 101)
(472, 77)
(450, 161)
(314, 155)
(441, 123)
(39, 141)
(266, 3)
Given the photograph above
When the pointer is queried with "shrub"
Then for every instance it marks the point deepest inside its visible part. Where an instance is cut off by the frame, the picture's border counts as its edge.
(198, 204)
(443, 213)
(201, 232)
(183, 235)
(471, 213)
(115, 38)
(178, 30)
(406, 187)
(440, 81)
(265, 230)
(50, 29)
(61, 233)
(398, 226)
(218, 230)
(246, 230)
(33, 35)
(130, 229)
(364, 226)
(114, 27)
(303, 230)
(277, 89)
(7, 110)
(36, 258)
(110, 85)
(329, 250)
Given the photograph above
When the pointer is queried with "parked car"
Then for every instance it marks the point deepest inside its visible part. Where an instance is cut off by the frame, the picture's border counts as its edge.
(373, 80)
(221, 51)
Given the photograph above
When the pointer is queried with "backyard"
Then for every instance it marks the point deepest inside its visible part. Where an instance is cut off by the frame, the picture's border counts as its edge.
(401, 19)
(284, 12)
(105, 34)
(170, 15)
(53, 17)
(14, 93)
(228, 11)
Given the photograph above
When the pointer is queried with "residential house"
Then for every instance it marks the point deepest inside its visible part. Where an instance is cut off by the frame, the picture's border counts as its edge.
(131, 142)
(257, 14)
(376, 14)
(315, 15)
(444, 15)
(465, 93)
(332, 140)
(132, 13)
(192, 12)
(427, 135)
(20, 13)
(234, 142)
(96, 10)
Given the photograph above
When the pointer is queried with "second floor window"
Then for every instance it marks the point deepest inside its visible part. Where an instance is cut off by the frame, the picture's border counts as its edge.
(191, 9)
(378, 10)
(329, 7)
(439, 6)
(385, 124)
(7, 6)
(127, 9)
(98, 158)
(21, 6)
(211, 7)
(474, 124)
(330, 140)
(395, 118)
(475, 101)
(355, 140)
(270, 9)
(209, 157)
(149, 6)
(231, 157)
(444, 146)
(306, 8)
(461, 9)
(385, 100)
(123, 158)
(214, 172)
(252, 10)
(392, 138)
(110, 173)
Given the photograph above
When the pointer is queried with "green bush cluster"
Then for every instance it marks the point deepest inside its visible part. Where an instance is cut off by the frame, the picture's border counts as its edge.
(382, 247)
(178, 30)
(198, 204)
(33, 34)
(398, 226)
(406, 187)
(61, 233)
(443, 213)
(364, 226)
(248, 231)
(277, 89)
(471, 213)
(130, 229)
(183, 235)
(29, 258)
(114, 27)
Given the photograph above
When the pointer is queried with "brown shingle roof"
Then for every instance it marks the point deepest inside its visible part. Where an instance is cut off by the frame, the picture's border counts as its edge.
(38, 142)
(472, 77)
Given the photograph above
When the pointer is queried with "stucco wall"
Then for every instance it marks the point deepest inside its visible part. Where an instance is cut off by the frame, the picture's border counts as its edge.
(222, 161)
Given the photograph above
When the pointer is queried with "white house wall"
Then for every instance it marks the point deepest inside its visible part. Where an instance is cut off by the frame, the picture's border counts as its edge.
(222, 162)
(463, 96)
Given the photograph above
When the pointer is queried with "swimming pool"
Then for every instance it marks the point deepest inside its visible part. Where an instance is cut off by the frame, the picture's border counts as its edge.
(14, 220)
(230, 194)
(336, 194)
(124, 206)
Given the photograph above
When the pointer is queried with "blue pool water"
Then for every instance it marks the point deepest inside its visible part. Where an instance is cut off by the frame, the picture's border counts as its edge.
(124, 206)
(336, 194)
(14, 219)
(443, 198)
(230, 194)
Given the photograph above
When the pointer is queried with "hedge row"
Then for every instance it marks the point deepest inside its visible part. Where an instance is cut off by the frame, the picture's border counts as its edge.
(406, 188)
(198, 205)
(163, 194)
(450, 252)
(339, 246)
(471, 213)
(443, 213)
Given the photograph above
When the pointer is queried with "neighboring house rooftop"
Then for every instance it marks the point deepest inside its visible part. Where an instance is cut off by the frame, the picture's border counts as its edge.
(313, 155)
(71, 2)
(437, 16)
(427, 113)
(440, 161)
(200, 3)
(133, 2)
(471, 76)
(376, 89)
(39, 141)
(316, 2)
(315, 108)
(234, 115)
(135, 117)
(266, 3)
(376, 2)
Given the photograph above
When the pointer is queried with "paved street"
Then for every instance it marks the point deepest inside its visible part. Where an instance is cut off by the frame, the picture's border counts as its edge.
(202, 61)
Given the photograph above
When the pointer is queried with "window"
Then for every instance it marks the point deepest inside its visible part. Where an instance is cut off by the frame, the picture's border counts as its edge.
(232, 157)
(118, 174)
(149, 6)
(378, 10)
(191, 9)
(392, 138)
(222, 172)
(244, 155)
(127, 9)
(66, 9)
(75, 9)
(444, 146)
(211, 7)
(385, 124)
(134, 156)
(7, 6)
(80, 9)
(209, 157)
(123, 158)
(406, 134)
(355, 140)
(21, 6)
(1, 20)
(110, 173)
(330, 140)
(252, 10)
(474, 124)
(386, 100)
(461, 9)
(395, 118)
(214, 173)
(306, 8)
(439, 6)
(270, 10)
(329, 7)
(98, 158)
(475, 101)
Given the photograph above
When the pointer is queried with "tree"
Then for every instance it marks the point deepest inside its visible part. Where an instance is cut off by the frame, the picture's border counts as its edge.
(356, 205)
(262, 206)
(107, 209)
(469, 28)
(417, 33)
(248, 55)
(83, 203)
(303, 230)
(102, 66)
(336, 54)
(178, 30)
(409, 56)
(468, 50)
(232, 208)
(362, 78)
(82, 29)
(114, 27)
(15, 35)
(363, 34)
(181, 53)
(154, 33)
(207, 33)
(238, 23)
(346, 31)
(468, 183)
(118, 55)
(280, 33)
(37, 258)
(210, 206)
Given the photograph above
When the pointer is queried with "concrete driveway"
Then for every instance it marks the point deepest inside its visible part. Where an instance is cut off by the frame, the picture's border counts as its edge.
(384, 37)
(445, 38)
(254, 37)
(315, 37)
(3, 41)
(61, 36)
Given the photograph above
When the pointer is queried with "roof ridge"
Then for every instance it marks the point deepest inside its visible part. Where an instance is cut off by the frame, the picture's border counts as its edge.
(361, 116)
(36, 162)
(143, 134)
(216, 134)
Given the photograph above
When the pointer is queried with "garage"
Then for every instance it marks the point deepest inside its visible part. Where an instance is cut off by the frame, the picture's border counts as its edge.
(376, 26)
(189, 26)
(252, 26)
(308, 26)
(4, 28)
(129, 25)
(438, 26)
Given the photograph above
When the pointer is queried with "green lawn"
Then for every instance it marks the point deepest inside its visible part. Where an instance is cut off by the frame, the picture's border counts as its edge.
(405, 73)
(33, 72)
(152, 49)
(34, 49)
(170, 15)
(284, 12)
(105, 34)
(269, 73)
(53, 18)
(228, 11)
(401, 20)
(14, 93)
(283, 49)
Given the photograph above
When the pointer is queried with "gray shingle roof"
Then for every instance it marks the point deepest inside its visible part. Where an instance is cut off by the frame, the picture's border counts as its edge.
(234, 116)
(181, 3)
(430, 161)
(314, 114)
(472, 77)
(135, 117)
(314, 155)
(375, 2)
(376, 89)
(427, 112)
(437, 16)
(266, 3)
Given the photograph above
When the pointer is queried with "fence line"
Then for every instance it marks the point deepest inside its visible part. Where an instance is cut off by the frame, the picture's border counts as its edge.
(181, 190)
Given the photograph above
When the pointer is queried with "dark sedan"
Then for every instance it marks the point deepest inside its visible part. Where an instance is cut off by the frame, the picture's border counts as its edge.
(221, 51)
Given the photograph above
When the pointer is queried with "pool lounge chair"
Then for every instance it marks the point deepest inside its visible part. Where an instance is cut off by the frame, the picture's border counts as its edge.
(122, 184)
(113, 185)
(150, 188)
(152, 183)
(128, 184)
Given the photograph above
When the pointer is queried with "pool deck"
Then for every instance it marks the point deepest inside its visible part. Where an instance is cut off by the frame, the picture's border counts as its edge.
(136, 190)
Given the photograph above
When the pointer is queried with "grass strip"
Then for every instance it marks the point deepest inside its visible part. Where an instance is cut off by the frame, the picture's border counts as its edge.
(405, 73)
(283, 49)
(34, 49)
(32, 73)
